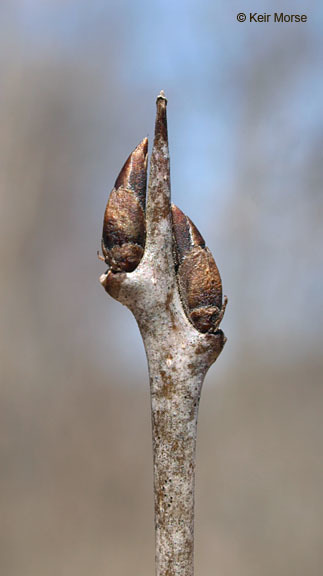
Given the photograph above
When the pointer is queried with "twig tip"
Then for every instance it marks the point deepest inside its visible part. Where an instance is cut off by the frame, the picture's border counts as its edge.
(161, 96)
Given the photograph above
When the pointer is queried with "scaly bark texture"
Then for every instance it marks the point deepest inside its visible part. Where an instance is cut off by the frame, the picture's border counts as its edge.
(178, 359)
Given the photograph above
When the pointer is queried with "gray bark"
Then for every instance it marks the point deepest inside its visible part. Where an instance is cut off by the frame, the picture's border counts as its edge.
(178, 359)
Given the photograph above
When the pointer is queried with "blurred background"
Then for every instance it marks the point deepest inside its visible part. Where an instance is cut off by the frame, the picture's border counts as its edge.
(78, 83)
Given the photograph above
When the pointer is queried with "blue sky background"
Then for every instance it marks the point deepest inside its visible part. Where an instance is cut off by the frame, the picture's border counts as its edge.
(245, 126)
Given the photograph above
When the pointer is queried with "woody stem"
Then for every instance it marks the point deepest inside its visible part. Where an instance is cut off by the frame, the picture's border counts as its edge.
(178, 358)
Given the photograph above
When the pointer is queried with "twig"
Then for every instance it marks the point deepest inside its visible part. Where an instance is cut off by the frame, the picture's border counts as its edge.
(173, 286)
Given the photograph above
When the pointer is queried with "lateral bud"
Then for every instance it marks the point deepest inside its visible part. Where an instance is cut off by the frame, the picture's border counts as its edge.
(124, 226)
(199, 279)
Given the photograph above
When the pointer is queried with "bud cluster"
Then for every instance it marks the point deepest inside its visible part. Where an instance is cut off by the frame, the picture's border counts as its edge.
(123, 244)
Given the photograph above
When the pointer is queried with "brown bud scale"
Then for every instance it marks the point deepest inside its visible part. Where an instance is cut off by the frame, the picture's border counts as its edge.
(186, 234)
(198, 277)
(124, 227)
(133, 174)
(124, 220)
